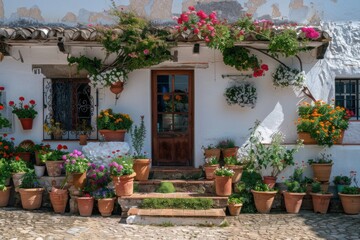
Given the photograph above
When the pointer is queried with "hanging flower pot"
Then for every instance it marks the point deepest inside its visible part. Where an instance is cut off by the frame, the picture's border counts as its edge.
(25, 112)
(26, 123)
(117, 87)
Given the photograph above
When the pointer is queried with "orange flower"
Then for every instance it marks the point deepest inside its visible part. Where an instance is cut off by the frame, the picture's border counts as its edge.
(166, 97)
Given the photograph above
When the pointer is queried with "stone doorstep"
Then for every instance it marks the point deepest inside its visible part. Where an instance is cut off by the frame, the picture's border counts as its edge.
(175, 172)
(173, 195)
(209, 213)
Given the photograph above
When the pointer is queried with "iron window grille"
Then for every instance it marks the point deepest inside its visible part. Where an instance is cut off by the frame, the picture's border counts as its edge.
(347, 95)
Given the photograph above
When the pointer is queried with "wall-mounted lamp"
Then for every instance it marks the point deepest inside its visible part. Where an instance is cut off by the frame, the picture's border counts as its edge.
(196, 48)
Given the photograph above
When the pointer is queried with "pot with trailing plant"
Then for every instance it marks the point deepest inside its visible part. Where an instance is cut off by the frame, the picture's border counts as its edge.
(4, 182)
(234, 164)
(242, 93)
(211, 164)
(53, 159)
(228, 148)
(223, 181)
(25, 112)
(76, 166)
(320, 199)
(122, 172)
(343, 181)
(211, 150)
(322, 123)
(113, 126)
(141, 162)
(30, 191)
(321, 167)
(296, 190)
(263, 197)
(235, 203)
(18, 169)
(106, 198)
(350, 199)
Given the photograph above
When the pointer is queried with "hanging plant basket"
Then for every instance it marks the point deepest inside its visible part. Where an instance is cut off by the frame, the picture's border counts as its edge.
(117, 87)
(242, 93)
(285, 76)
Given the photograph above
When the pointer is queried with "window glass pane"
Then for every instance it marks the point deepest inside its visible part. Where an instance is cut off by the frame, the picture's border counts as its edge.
(181, 103)
(339, 101)
(180, 122)
(164, 84)
(165, 122)
(181, 83)
(165, 103)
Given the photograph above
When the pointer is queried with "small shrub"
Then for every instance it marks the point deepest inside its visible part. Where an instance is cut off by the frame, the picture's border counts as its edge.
(166, 187)
(178, 203)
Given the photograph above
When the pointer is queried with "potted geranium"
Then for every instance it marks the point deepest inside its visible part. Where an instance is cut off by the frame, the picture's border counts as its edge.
(234, 163)
(263, 197)
(223, 181)
(25, 112)
(106, 198)
(30, 191)
(53, 159)
(295, 192)
(123, 179)
(211, 164)
(322, 123)
(24, 150)
(243, 94)
(76, 165)
(320, 199)
(141, 162)
(113, 126)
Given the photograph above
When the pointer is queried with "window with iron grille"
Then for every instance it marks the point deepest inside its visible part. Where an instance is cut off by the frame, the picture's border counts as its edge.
(347, 95)
(69, 109)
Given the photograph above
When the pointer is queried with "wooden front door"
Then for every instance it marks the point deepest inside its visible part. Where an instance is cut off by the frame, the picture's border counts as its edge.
(172, 117)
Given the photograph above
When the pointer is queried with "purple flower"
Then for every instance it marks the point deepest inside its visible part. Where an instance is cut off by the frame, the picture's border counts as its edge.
(101, 168)
(93, 165)
(63, 157)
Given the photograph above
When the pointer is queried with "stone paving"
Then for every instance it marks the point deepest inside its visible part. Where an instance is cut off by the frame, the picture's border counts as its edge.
(19, 224)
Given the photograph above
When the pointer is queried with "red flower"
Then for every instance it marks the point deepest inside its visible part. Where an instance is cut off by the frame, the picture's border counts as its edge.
(32, 102)
(191, 8)
(26, 106)
(5, 135)
(65, 147)
(59, 147)
(1, 107)
(201, 14)
(2, 88)
(17, 158)
(21, 98)
(264, 67)
(12, 139)
(11, 103)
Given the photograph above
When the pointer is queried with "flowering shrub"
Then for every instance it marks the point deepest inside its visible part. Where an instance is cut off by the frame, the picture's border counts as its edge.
(323, 121)
(53, 154)
(97, 177)
(225, 172)
(115, 169)
(243, 94)
(126, 163)
(284, 77)
(310, 33)
(24, 110)
(6, 147)
(75, 162)
(104, 193)
(107, 119)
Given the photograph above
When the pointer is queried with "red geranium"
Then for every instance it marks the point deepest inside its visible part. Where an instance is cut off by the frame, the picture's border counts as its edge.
(24, 110)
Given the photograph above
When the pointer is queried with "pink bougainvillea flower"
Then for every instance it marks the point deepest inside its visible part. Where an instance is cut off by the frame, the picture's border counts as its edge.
(201, 14)
(191, 8)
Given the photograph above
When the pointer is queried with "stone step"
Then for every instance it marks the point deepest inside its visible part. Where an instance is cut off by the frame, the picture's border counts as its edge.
(135, 200)
(185, 173)
(208, 217)
(199, 186)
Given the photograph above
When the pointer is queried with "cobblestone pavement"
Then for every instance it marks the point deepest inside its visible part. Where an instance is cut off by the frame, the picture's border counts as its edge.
(20, 224)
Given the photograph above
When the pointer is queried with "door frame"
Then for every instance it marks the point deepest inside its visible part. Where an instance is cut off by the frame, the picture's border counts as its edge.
(154, 111)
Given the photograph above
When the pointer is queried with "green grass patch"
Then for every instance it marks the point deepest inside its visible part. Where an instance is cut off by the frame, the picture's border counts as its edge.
(165, 187)
(178, 203)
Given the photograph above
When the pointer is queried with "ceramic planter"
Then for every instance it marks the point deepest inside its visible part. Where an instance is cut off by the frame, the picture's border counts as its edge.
(234, 209)
(293, 201)
(340, 188)
(4, 197)
(54, 168)
(39, 171)
(223, 185)
(263, 200)
(142, 169)
(31, 198)
(270, 181)
(322, 171)
(106, 206)
(209, 171)
(321, 202)
(117, 87)
(59, 198)
(124, 185)
(350, 203)
(238, 170)
(85, 205)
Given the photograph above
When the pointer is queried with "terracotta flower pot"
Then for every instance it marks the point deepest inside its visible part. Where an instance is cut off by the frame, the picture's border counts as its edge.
(142, 169)
(113, 136)
(54, 168)
(124, 185)
(263, 200)
(238, 170)
(78, 180)
(26, 123)
(321, 202)
(82, 139)
(350, 203)
(322, 171)
(59, 198)
(4, 197)
(212, 152)
(293, 201)
(306, 138)
(106, 206)
(235, 209)
(270, 181)
(85, 205)
(17, 179)
(223, 185)
(117, 87)
(31, 198)
(229, 152)
(209, 171)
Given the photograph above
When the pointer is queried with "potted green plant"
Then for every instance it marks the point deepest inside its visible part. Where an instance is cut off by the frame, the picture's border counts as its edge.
(106, 198)
(242, 93)
(141, 162)
(223, 181)
(320, 199)
(53, 159)
(122, 172)
(83, 130)
(211, 150)
(25, 112)
(30, 191)
(263, 197)
(350, 199)
(295, 192)
(4, 182)
(113, 126)
(18, 169)
(234, 164)
(321, 167)
(37, 149)
(235, 203)
(341, 182)
(321, 123)
(76, 166)
(211, 164)
(228, 147)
